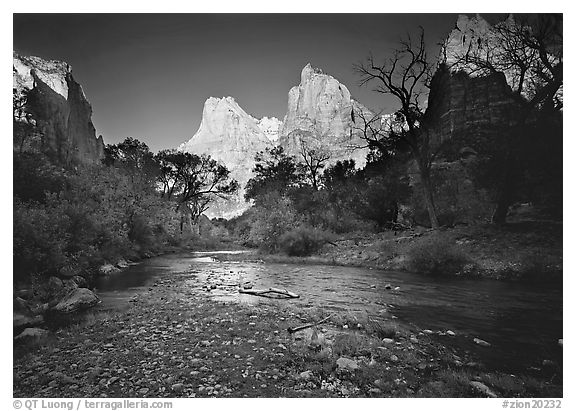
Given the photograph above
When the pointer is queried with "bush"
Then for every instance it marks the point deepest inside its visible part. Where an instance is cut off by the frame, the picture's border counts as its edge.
(303, 241)
(436, 255)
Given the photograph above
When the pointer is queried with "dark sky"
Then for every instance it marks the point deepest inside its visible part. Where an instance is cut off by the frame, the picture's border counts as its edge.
(148, 75)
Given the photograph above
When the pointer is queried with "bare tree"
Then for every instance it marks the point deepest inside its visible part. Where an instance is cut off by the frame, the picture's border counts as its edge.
(315, 158)
(528, 50)
(404, 76)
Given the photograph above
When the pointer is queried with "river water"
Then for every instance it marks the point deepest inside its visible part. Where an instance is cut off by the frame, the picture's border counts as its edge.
(522, 322)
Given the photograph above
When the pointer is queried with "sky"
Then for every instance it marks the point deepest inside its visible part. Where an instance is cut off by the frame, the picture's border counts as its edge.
(147, 75)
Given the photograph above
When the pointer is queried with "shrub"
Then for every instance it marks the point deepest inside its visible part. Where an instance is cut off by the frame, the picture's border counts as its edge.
(436, 255)
(303, 241)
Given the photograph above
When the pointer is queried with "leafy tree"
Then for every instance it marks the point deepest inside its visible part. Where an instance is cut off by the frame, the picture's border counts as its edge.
(193, 181)
(274, 171)
(134, 158)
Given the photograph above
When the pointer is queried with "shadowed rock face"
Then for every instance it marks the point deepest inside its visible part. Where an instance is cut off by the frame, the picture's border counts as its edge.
(58, 108)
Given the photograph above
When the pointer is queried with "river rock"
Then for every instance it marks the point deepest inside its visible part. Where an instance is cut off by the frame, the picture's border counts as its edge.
(31, 333)
(481, 387)
(387, 340)
(306, 375)
(78, 299)
(450, 333)
(346, 364)
(107, 269)
(21, 321)
(482, 343)
(178, 387)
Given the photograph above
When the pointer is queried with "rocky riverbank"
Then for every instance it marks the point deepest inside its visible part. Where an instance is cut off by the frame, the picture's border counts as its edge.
(519, 251)
(176, 341)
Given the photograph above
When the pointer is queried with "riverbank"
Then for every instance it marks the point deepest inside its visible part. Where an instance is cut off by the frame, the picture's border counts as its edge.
(529, 251)
(175, 340)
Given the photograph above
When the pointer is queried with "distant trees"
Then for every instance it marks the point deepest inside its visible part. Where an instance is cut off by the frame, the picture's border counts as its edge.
(405, 77)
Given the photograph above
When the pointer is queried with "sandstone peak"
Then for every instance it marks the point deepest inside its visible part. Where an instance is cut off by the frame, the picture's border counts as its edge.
(60, 111)
(233, 137)
(52, 72)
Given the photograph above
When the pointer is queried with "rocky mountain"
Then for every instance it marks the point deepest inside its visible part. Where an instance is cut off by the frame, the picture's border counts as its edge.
(319, 113)
(52, 104)
(320, 109)
(231, 136)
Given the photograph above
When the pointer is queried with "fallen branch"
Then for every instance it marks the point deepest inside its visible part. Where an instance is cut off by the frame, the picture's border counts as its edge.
(265, 293)
(303, 327)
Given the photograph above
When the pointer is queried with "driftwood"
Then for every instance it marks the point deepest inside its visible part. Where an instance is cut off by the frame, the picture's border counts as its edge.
(292, 330)
(269, 293)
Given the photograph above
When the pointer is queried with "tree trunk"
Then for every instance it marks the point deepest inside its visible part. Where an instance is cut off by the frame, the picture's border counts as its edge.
(505, 197)
(427, 192)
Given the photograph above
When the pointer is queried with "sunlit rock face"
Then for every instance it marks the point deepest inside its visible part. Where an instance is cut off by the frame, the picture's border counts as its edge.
(319, 113)
(233, 137)
(56, 105)
(320, 109)
(270, 126)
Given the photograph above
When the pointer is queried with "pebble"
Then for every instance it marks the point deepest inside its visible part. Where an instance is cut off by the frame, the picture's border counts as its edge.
(450, 333)
(178, 387)
(482, 342)
(306, 375)
(387, 340)
(375, 391)
(394, 358)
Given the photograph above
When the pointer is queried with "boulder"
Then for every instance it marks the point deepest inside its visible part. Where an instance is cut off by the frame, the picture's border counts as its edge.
(107, 269)
(78, 299)
(122, 264)
(22, 321)
(482, 342)
(306, 375)
(80, 281)
(55, 284)
(31, 334)
(346, 364)
(482, 388)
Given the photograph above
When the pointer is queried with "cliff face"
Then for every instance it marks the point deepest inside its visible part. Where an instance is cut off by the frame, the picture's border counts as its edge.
(233, 137)
(465, 108)
(468, 110)
(54, 103)
(320, 109)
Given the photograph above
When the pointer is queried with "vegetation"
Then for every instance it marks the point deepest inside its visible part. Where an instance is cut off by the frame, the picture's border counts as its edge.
(72, 220)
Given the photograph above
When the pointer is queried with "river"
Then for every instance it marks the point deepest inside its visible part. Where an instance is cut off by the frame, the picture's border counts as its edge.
(522, 322)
